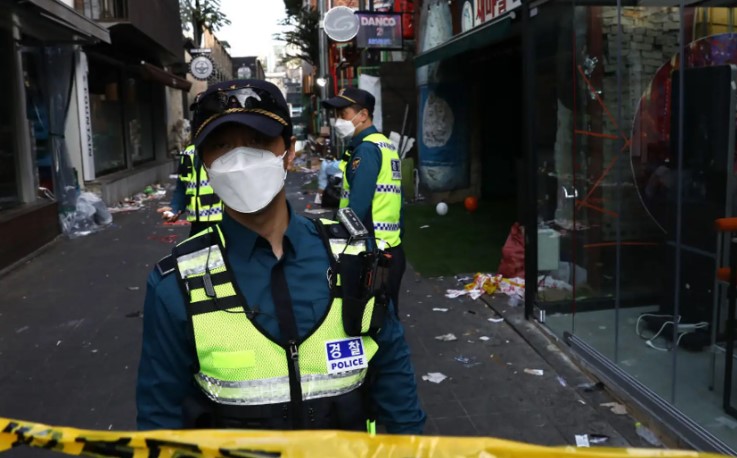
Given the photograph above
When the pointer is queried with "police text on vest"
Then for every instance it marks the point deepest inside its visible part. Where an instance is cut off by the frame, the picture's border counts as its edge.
(345, 355)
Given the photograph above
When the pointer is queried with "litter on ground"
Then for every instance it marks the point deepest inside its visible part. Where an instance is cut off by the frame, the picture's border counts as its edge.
(436, 309)
(538, 372)
(615, 408)
(434, 377)
(447, 337)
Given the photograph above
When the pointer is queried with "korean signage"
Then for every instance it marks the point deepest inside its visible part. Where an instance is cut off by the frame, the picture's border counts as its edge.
(488, 10)
(379, 30)
(345, 355)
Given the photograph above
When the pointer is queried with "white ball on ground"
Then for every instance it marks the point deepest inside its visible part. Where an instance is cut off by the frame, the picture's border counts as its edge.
(442, 208)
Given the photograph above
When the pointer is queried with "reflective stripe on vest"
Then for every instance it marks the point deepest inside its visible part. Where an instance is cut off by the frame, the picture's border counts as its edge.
(202, 203)
(238, 364)
(386, 205)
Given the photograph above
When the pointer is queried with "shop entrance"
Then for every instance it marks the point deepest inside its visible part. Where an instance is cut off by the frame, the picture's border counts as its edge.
(495, 76)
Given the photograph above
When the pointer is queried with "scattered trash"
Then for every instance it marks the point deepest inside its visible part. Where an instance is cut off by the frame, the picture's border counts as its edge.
(468, 362)
(90, 215)
(581, 401)
(24, 328)
(615, 407)
(173, 176)
(484, 338)
(582, 440)
(471, 312)
(424, 227)
(447, 338)
(134, 288)
(454, 293)
(562, 381)
(94, 351)
(464, 279)
(496, 320)
(136, 314)
(58, 343)
(538, 372)
(591, 387)
(647, 435)
(436, 309)
(513, 287)
(598, 439)
(434, 377)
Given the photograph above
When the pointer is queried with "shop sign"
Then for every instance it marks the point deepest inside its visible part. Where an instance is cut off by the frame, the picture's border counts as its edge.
(488, 10)
(201, 67)
(84, 111)
(379, 30)
(340, 24)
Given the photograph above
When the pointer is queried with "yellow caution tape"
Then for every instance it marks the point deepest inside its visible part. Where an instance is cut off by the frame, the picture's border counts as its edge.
(303, 444)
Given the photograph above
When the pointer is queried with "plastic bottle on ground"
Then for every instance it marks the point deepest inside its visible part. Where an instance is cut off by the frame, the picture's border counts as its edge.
(647, 435)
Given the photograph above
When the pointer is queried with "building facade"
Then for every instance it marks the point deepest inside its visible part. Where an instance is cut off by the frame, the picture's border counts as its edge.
(38, 183)
(128, 99)
(613, 129)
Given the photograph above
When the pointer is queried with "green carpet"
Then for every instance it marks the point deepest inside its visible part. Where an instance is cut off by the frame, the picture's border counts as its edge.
(459, 242)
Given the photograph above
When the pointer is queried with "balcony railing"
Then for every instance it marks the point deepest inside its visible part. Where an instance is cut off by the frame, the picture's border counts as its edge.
(103, 10)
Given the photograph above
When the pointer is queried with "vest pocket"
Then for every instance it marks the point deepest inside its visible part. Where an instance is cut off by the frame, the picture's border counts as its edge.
(233, 359)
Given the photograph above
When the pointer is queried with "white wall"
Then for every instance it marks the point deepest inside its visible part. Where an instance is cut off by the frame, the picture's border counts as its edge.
(69, 3)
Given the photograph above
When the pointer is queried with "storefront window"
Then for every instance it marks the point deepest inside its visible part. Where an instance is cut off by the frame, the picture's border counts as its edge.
(8, 176)
(107, 118)
(636, 161)
(139, 105)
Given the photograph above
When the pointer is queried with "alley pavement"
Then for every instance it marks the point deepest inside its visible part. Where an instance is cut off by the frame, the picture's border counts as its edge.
(70, 332)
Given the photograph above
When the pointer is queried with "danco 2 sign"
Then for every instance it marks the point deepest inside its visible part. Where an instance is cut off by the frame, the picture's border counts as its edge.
(379, 30)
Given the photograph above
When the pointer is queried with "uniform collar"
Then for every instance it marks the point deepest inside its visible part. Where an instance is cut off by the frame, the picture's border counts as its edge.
(358, 139)
(240, 239)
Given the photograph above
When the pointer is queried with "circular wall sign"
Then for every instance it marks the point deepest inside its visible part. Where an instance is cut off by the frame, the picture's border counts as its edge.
(341, 24)
(201, 67)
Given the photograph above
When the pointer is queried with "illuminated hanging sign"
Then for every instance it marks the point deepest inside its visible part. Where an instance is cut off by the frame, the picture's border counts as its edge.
(379, 30)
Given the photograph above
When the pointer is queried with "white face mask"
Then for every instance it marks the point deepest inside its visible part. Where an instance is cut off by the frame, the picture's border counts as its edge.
(345, 128)
(247, 179)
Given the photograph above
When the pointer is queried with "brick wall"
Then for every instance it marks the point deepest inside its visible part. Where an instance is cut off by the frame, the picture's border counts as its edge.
(649, 39)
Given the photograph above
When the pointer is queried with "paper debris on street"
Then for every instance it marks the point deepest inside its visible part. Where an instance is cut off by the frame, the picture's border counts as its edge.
(538, 372)
(447, 337)
(496, 320)
(615, 407)
(437, 309)
(582, 440)
(434, 377)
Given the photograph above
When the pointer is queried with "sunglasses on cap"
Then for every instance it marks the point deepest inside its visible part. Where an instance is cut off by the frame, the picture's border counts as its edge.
(209, 107)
